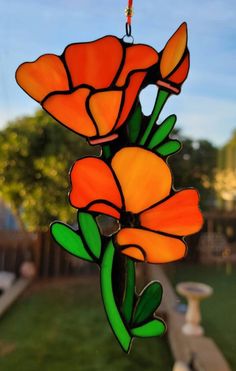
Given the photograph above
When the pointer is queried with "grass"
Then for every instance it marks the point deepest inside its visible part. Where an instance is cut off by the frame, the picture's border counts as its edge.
(62, 326)
(218, 311)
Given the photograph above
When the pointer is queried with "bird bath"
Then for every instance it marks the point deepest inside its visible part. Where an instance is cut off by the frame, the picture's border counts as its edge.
(194, 292)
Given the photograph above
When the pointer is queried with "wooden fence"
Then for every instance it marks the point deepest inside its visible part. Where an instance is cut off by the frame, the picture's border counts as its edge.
(52, 261)
(49, 258)
(15, 247)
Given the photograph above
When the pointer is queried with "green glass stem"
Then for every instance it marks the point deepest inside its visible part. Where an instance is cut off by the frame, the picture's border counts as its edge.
(161, 99)
(117, 324)
(106, 151)
(127, 306)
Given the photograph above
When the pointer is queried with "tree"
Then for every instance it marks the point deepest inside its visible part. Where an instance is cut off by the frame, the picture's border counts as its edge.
(36, 153)
(194, 166)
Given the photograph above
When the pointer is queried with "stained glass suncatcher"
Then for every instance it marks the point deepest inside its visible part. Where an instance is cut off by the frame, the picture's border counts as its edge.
(93, 89)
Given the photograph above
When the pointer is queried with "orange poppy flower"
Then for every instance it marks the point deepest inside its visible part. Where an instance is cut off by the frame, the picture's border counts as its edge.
(91, 88)
(174, 62)
(136, 190)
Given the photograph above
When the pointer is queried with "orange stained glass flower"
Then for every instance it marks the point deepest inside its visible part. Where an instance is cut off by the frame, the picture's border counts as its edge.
(137, 190)
(175, 61)
(91, 88)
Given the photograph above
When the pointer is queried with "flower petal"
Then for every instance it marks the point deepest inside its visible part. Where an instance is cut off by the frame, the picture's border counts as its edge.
(102, 208)
(181, 73)
(135, 253)
(104, 107)
(131, 93)
(174, 51)
(43, 76)
(94, 63)
(179, 215)
(150, 246)
(70, 110)
(94, 187)
(137, 57)
(143, 176)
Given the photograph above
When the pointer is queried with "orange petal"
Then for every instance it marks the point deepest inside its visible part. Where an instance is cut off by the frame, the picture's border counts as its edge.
(174, 51)
(181, 73)
(104, 107)
(137, 57)
(70, 110)
(94, 63)
(45, 75)
(131, 93)
(144, 177)
(104, 209)
(92, 183)
(179, 215)
(154, 248)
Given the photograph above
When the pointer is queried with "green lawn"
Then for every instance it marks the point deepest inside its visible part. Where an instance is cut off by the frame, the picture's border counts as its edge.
(218, 311)
(62, 327)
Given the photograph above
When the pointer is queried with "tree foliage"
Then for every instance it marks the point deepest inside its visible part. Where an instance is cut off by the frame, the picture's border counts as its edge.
(194, 166)
(36, 154)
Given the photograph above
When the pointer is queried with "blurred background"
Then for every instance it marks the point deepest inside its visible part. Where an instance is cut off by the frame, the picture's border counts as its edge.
(59, 322)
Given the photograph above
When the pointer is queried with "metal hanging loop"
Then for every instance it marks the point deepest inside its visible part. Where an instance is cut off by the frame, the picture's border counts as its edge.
(128, 29)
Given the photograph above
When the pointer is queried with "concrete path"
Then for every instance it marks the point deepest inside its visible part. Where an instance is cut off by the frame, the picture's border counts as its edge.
(207, 356)
(11, 294)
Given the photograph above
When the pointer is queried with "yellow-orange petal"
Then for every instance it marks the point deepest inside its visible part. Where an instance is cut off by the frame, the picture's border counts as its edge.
(137, 57)
(180, 75)
(43, 76)
(174, 51)
(154, 248)
(135, 253)
(179, 215)
(144, 177)
(131, 93)
(70, 110)
(104, 107)
(92, 183)
(94, 63)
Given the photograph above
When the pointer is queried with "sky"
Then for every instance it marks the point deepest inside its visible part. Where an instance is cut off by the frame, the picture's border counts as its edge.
(206, 108)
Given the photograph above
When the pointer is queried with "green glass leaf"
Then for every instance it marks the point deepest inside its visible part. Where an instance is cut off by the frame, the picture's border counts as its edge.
(169, 148)
(163, 131)
(149, 300)
(127, 306)
(67, 238)
(91, 234)
(153, 328)
(135, 123)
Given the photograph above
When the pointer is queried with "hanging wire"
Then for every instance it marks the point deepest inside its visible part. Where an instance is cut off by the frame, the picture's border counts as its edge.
(129, 13)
